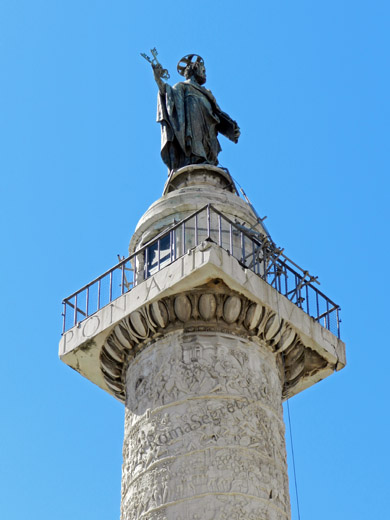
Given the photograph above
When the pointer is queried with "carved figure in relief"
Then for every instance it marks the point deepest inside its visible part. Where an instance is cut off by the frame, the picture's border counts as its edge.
(189, 485)
(207, 370)
(161, 490)
(148, 455)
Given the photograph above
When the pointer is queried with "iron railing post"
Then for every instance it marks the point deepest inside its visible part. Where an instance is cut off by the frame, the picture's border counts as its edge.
(64, 317)
(307, 300)
(135, 276)
(183, 238)
(146, 265)
(338, 323)
(327, 315)
(208, 222)
(285, 280)
(75, 311)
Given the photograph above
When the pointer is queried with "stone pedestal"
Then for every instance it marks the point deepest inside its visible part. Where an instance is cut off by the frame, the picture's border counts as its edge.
(204, 432)
(188, 190)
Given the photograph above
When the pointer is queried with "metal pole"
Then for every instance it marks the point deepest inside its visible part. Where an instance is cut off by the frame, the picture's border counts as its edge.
(64, 317)
(298, 285)
(146, 263)
(135, 274)
(75, 310)
(307, 300)
(208, 221)
(327, 315)
(338, 323)
(183, 238)
(242, 247)
(285, 280)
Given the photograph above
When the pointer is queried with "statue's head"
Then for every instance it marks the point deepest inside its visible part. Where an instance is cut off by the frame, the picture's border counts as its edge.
(192, 65)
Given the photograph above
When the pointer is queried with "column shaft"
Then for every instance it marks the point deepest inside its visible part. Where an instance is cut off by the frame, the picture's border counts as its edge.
(204, 432)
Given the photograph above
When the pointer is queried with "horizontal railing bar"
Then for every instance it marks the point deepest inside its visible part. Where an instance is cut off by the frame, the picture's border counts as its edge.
(326, 313)
(78, 308)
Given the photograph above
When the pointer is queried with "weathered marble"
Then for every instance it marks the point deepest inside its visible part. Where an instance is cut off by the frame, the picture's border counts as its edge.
(184, 194)
(204, 432)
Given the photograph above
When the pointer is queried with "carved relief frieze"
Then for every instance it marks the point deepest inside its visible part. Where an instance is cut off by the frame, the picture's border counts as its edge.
(186, 365)
(212, 471)
(223, 506)
(213, 308)
(199, 425)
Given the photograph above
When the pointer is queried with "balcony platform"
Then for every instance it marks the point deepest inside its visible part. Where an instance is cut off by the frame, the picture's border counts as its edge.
(324, 353)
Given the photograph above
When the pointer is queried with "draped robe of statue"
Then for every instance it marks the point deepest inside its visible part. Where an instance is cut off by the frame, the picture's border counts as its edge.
(190, 122)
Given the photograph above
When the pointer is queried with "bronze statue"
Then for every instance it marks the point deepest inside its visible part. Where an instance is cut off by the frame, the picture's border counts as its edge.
(190, 116)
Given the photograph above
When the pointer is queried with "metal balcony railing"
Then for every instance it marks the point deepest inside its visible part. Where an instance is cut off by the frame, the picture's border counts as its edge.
(253, 250)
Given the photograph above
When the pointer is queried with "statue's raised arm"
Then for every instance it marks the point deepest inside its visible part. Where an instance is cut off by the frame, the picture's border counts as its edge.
(158, 70)
(190, 116)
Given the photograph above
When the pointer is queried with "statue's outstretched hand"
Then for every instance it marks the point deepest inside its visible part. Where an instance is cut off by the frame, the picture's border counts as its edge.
(237, 134)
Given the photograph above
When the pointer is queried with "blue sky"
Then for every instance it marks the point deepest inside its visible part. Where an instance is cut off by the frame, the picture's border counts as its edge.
(308, 83)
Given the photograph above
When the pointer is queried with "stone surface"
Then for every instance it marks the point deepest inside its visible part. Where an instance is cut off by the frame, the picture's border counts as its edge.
(204, 432)
(311, 352)
(199, 175)
(183, 201)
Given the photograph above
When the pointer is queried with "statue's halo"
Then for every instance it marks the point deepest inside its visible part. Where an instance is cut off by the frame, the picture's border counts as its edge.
(186, 60)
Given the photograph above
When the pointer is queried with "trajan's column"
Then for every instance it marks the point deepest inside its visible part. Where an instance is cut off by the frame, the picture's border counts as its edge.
(202, 332)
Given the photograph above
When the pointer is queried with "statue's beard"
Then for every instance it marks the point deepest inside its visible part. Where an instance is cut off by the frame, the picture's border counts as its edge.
(200, 79)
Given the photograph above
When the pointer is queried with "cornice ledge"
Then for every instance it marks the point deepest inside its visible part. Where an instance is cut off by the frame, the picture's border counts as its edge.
(210, 307)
